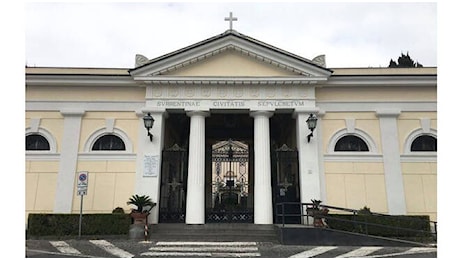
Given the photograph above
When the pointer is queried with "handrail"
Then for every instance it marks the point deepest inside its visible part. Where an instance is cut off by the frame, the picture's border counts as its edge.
(306, 211)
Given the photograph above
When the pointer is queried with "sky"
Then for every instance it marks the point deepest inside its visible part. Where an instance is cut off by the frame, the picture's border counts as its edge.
(109, 35)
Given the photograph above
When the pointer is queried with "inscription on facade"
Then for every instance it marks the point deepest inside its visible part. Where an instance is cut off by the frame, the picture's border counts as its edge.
(231, 103)
(280, 103)
(178, 103)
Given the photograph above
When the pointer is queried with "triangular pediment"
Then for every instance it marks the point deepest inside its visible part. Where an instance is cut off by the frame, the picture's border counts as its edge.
(228, 55)
(232, 63)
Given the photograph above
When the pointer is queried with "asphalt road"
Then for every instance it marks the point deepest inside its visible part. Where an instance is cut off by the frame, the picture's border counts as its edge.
(128, 248)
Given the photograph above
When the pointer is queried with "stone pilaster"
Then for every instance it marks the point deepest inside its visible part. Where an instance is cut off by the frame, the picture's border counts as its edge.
(149, 184)
(68, 161)
(310, 177)
(394, 181)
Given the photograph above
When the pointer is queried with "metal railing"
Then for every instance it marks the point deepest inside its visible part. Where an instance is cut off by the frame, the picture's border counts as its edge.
(357, 221)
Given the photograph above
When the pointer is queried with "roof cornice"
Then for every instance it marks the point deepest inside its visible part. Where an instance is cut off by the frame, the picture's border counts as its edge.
(229, 80)
(79, 80)
(377, 80)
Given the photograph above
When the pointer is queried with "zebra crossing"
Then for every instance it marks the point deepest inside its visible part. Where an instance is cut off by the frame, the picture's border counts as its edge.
(204, 249)
(64, 248)
(365, 251)
(110, 248)
(130, 249)
(68, 250)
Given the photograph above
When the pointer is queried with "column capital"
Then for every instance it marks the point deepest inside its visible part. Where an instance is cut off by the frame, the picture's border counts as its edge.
(388, 112)
(141, 112)
(197, 113)
(72, 112)
(261, 113)
(318, 112)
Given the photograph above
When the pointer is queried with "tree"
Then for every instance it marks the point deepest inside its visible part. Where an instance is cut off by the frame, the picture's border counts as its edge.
(404, 61)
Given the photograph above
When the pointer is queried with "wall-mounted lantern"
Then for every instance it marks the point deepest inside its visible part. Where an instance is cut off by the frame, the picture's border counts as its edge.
(148, 123)
(311, 122)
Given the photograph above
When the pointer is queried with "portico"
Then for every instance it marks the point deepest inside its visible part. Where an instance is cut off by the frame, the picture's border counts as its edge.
(203, 80)
(198, 183)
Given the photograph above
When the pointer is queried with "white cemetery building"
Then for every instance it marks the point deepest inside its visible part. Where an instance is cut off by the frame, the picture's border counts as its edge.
(230, 137)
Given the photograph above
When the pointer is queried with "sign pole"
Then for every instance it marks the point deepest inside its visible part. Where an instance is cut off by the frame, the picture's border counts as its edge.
(81, 216)
(82, 188)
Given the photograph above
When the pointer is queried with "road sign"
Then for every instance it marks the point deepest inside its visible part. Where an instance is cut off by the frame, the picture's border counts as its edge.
(82, 184)
(82, 178)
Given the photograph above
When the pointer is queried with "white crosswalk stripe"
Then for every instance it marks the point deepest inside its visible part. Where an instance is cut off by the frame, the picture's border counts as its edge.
(313, 252)
(360, 252)
(65, 248)
(197, 243)
(110, 248)
(414, 250)
(204, 249)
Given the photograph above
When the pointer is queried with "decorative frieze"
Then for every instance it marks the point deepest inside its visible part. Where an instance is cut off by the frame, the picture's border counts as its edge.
(215, 97)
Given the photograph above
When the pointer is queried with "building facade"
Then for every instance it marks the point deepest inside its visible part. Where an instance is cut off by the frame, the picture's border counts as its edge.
(230, 138)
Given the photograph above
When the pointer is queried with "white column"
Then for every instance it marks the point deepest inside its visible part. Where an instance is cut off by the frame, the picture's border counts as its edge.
(195, 207)
(148, 183)
(68, 161)
(394, 181)
(310, 177)
(263, 208)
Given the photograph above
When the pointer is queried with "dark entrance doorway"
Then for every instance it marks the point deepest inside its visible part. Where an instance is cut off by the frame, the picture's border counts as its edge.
(229, 175)
(285, 183)
(174, 167)
(173, 185)
(285, 167)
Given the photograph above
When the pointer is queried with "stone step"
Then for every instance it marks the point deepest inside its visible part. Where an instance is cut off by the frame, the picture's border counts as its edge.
(214, 232)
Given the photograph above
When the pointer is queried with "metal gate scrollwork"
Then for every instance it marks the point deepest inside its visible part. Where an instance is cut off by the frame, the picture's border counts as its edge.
(230, 183)
(173, 185)
(285, 181)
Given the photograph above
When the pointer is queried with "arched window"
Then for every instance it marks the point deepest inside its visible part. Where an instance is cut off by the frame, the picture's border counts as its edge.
(351, 143)
(109, 142)
(424, 143)
(36, 142)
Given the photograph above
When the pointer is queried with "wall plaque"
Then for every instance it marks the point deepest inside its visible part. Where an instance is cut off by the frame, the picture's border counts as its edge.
(151, 163)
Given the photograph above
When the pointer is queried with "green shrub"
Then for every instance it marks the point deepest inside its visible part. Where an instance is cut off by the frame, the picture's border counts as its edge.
(67, 224)
(386, 226)
(118, 210)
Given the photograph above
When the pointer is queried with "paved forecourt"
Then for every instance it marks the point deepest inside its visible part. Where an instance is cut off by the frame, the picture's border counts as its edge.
(129, 248)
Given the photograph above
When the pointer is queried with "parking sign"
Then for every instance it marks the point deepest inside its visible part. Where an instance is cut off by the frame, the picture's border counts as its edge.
(82, 184)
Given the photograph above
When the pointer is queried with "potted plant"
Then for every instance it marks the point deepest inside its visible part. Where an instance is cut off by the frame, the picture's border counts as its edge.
(143, 206)
(318, 213)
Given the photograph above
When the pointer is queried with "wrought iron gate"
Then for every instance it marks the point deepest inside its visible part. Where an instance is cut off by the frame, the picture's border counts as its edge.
(285, 182)
(173, 185)
(230, 183)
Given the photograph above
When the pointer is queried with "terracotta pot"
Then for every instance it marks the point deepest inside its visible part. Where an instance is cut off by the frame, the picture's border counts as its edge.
(318, 216)
(139, 217)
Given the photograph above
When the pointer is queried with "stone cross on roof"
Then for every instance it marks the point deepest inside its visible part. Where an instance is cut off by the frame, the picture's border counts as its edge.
(231, 19)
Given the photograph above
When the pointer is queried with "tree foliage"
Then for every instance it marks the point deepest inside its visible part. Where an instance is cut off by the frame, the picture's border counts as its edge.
(404, 61)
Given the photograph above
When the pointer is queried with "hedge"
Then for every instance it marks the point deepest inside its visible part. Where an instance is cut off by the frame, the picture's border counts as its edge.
(67, 224)
(386, 226)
